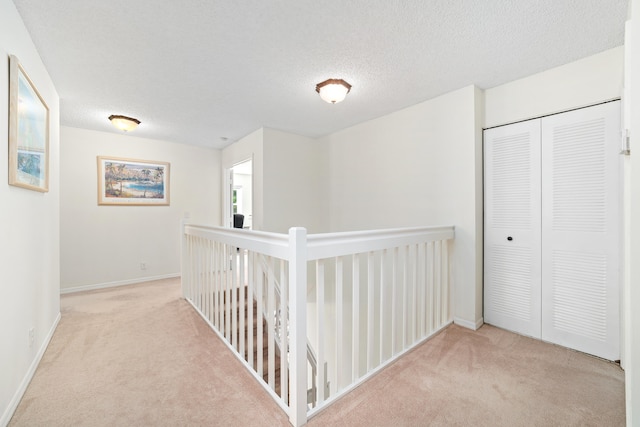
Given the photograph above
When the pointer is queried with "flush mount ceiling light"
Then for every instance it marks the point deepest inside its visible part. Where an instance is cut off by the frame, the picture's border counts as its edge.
(124, 123)
(333, 90)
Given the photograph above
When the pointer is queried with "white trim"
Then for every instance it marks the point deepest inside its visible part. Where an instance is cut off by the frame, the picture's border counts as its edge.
(329, 245)
(469, 324)
(117, 283)
(17, 397)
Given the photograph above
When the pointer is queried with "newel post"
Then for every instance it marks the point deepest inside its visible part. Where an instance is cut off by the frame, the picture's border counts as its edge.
(184, 255)
(298, 326)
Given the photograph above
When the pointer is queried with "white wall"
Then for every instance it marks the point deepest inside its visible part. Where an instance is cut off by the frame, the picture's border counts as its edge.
(249, 147)
(581, 83)
(632, 255)
(295, 185)
(104, 245)
(289, 179)
(418, 166)
(29, 231)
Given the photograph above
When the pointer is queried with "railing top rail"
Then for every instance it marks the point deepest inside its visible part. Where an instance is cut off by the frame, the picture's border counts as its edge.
(327, 245)
(272, 244)
(323, 245)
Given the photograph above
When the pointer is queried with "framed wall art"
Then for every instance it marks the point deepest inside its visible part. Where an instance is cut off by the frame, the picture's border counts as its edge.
(132, 182)
(28, 132)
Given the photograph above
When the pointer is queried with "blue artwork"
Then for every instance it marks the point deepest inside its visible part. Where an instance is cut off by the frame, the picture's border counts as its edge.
(28, 132)
(133, 182)
(30, 163)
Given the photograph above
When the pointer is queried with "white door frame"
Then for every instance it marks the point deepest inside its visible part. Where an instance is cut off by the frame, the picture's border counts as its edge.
(228, 186)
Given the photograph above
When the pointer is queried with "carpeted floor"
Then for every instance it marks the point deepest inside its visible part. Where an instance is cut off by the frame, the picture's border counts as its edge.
(489, 377)
(139, 355)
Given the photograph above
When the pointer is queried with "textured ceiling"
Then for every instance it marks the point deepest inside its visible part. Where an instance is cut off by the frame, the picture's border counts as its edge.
(199, 71)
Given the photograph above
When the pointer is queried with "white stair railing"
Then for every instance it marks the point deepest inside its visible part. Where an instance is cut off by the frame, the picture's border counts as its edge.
(374, 296)
(378, 294)
(280, 332)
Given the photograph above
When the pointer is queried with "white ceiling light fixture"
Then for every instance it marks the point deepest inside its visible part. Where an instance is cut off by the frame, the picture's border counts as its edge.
(333, 90)
(124, 123)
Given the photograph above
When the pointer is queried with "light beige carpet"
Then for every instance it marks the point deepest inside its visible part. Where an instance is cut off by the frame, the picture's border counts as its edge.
(139, 355)
(489, 377)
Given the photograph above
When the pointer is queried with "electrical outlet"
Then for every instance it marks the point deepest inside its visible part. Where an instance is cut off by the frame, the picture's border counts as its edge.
(32, 336)
(143, 266)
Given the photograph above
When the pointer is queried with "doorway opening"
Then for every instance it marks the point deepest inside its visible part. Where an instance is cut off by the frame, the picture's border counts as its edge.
(239, 194)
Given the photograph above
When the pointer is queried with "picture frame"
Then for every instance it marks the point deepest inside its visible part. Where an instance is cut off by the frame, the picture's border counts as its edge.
(28, 132)
(131, 182)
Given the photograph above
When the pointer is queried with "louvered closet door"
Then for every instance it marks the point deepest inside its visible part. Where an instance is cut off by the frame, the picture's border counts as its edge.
(512, 227)
(580, 230)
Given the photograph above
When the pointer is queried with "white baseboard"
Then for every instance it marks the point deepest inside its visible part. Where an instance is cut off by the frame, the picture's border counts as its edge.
(117, 283)
(468, 324)
(17, 397)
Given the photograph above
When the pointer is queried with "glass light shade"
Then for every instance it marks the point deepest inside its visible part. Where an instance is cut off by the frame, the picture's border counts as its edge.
(333, 90)
(124, 123)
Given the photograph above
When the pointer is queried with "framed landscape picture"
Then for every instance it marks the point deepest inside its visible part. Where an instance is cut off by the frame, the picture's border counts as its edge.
(132, 182)
(28, 132)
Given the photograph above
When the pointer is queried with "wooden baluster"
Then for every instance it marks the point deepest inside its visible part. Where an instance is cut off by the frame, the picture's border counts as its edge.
(382, 299)
(370, 309)
(250, 297)
(422, 294)
(284, 339)
(430, 289)
(438, 283)
(242, 304)
(220, 287)
(320, 322)
(405, 273)
(234, 297)
(394, 300)
(445, 282)
(271, 313)
(414, 293)
(260, 318)
(355, 309)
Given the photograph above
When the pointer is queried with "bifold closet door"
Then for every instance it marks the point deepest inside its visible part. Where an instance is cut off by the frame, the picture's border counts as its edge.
(512, 227)
(580, 229)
